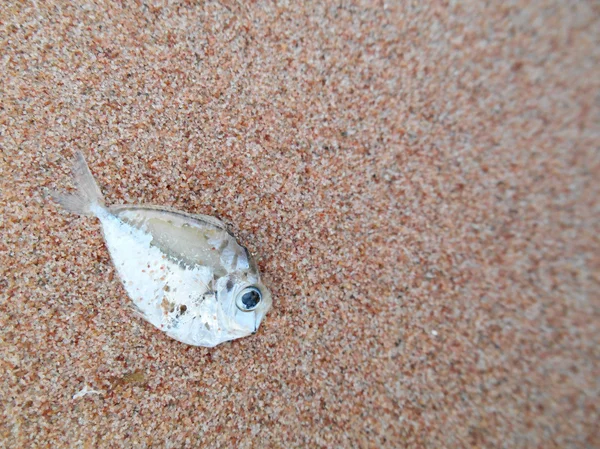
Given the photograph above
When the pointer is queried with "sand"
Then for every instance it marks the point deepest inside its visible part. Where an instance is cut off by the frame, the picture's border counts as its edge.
(418, 180)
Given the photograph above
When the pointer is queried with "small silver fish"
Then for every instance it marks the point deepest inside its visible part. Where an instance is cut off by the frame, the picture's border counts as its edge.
(186, 274)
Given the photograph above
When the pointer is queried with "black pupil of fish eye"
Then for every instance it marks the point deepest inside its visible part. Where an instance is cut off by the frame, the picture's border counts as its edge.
(250, 299)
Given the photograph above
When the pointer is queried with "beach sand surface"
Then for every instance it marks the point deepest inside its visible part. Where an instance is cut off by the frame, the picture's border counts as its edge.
(418, 181)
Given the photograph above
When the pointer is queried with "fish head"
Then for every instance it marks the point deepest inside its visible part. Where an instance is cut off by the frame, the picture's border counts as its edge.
(244, 299)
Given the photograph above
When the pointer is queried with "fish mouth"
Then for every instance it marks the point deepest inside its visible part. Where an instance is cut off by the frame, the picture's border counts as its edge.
(247, 321)
(258, 317)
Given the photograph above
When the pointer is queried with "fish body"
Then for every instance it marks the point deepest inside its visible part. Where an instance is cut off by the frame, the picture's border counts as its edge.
(185, 274)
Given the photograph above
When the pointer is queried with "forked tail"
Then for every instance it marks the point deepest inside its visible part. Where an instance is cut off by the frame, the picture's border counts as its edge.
(88, 193)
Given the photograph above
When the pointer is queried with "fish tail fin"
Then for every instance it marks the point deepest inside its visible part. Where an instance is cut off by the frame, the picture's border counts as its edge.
(88, 193)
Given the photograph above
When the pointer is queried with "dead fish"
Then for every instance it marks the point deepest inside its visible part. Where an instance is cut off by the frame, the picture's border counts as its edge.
(186, 274)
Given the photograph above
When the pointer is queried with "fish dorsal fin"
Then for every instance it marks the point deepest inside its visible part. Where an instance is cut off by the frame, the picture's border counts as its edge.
(201, 217)
(189, 238)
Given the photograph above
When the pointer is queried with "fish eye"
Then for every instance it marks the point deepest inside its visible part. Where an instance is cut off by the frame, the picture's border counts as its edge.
(248, 299)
